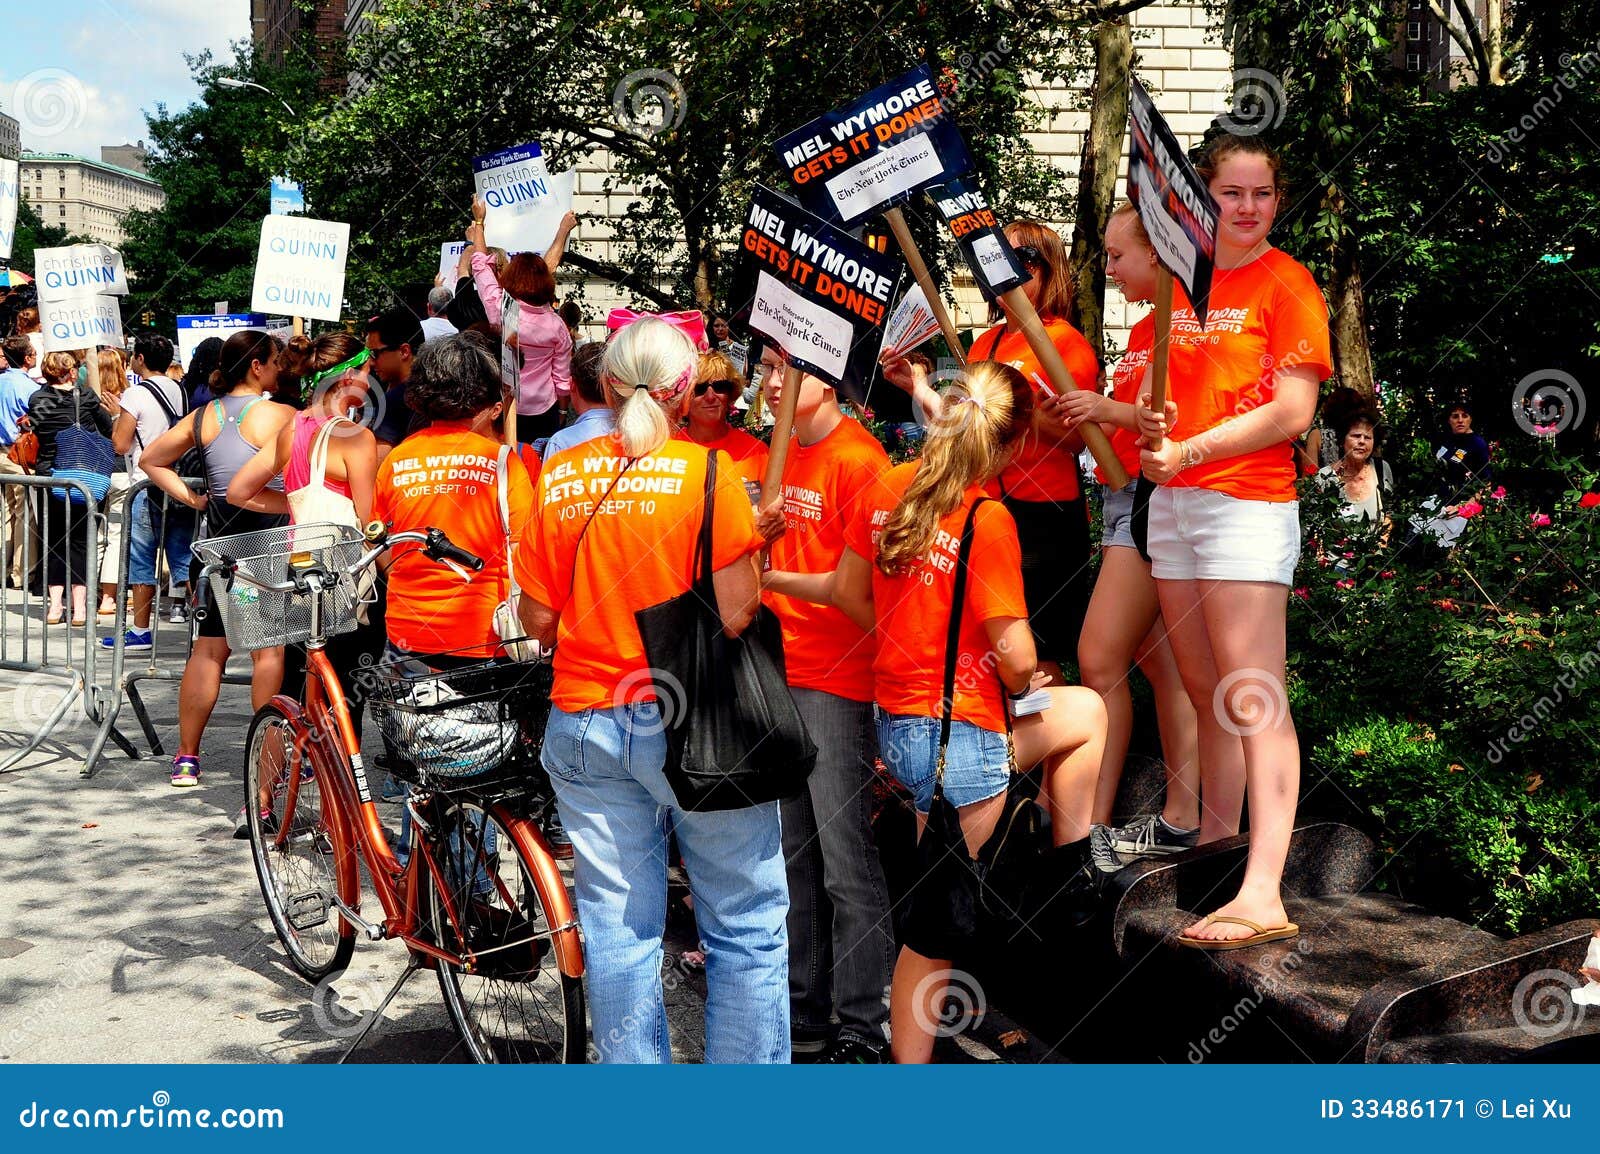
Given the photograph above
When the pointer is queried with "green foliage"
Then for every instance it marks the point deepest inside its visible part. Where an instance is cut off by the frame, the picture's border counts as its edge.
(1450, 696)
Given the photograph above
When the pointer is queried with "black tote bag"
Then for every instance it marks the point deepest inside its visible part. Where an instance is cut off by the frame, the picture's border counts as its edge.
(734, 735)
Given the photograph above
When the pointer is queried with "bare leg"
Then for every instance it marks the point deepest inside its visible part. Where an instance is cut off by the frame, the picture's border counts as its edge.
(1179, 730)
(197, 694)
(1222, 776)
(266, 675)
(1245, 620)
(1121, 613)
(1069, 740)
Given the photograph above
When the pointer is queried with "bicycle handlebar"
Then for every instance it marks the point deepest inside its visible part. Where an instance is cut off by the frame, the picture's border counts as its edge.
(434, 543)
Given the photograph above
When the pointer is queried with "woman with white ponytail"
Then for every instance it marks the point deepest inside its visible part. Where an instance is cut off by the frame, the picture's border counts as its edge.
(614, 532)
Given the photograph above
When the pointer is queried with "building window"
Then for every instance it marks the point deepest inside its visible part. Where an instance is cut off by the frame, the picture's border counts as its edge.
(1414, 30)
(1413, 62)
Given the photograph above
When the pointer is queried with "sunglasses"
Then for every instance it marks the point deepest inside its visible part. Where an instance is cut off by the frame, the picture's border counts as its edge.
(1031, 256)
(728, 389)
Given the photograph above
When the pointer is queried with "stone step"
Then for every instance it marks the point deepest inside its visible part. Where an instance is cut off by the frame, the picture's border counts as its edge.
(1579, 1043)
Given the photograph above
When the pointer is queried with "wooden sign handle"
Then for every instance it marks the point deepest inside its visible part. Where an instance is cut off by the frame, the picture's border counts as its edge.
(919, 270)
(1049, 357)
(1158, 358)
(783, 424)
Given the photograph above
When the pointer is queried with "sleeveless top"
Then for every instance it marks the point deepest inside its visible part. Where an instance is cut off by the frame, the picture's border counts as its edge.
(297, 473)
(225, 455)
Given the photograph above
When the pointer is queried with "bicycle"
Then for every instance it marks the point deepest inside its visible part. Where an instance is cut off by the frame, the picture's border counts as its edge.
(479, 898)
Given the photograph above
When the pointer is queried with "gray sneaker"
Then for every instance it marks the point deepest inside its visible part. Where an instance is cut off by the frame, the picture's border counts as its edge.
(1150, 836)
(1101, 851)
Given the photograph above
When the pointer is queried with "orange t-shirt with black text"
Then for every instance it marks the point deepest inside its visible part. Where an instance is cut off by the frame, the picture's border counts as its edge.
(1040, 469)
(1125, 381)
(1261, 317)
(913, 609)
(747, 453)
(822, 648)
(637, 551)
(445, 476)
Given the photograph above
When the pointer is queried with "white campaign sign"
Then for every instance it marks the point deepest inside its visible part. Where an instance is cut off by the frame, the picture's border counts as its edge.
(800, 327)
(992, 259)
(8, 206)
(80, 322)
(78, 269)
(300, 268)
(526, 204)
(1167, 237)
(885, 176)
(449, 257)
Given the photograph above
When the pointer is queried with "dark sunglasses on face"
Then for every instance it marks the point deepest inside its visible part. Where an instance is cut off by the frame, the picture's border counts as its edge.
(1031, 256)
(726, 388)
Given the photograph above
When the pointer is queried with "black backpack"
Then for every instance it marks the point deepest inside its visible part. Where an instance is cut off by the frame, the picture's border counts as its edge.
(190, 464)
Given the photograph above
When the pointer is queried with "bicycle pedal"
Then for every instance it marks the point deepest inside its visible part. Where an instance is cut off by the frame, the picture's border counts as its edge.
(308, 910)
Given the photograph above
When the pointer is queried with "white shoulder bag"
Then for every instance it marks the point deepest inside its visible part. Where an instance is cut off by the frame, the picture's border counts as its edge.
(507, 620)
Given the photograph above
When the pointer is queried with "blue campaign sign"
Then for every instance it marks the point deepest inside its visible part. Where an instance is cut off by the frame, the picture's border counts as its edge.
(876, 151)
(288, 197)
(195, 328)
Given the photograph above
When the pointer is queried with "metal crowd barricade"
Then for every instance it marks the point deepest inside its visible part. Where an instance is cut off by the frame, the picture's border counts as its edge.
(124, 681)
(46, 658)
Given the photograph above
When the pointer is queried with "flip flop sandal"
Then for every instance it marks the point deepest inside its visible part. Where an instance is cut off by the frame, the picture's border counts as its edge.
(55, 619)
(1259, 934)
(79, 622)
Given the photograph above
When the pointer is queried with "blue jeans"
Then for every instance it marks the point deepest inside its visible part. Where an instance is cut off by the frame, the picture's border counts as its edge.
(616, 805)
(142, 540)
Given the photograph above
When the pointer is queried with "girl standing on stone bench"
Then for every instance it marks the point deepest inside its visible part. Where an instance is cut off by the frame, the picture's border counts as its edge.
(1225, 528)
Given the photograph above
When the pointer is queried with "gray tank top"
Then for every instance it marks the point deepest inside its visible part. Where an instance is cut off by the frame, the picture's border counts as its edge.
(225, 455)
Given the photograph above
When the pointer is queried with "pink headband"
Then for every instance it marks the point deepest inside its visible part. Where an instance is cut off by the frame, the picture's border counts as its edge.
(691, 324)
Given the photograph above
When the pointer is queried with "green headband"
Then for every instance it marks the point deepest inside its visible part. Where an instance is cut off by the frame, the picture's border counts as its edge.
(354, 362)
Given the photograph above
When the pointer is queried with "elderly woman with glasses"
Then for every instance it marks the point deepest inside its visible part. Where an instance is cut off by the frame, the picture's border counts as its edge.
(717, 384)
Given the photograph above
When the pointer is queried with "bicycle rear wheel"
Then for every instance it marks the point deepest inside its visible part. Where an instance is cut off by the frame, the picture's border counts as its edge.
(301, 873)
(517, 1006)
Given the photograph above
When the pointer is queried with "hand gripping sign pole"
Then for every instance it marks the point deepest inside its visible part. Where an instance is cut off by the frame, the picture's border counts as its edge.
(1180, 216)
(919, 270)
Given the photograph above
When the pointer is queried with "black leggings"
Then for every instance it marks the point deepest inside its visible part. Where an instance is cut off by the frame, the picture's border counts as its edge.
(64, 528)
(1055, 572)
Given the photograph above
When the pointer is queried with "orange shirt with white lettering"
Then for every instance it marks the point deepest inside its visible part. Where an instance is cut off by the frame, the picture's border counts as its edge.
(913, 609)
(445, 476)
(1040, 469)
(1125, 381)
(1261, 317)
(637, 551)
(748, 454)
(822, 648)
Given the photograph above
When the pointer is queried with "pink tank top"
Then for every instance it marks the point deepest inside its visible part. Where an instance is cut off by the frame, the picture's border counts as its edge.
(297, 473)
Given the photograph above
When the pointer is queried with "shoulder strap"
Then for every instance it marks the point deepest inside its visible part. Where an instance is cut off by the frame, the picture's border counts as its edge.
(171, 413)
(200, 443)
(319, 451)
(952, 636)
(702, 549)
(505, 518)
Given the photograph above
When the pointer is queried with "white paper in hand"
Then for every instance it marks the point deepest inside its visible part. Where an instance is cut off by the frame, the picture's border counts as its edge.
(911, 323)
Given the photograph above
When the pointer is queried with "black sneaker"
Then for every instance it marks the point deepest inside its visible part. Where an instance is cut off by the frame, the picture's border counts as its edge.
(1151, 836)
(556, 835)
(810, 1042)
(1101, 849)
(853, 1050)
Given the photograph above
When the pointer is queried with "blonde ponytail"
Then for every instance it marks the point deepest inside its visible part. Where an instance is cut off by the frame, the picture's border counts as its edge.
(649, 366)
(982, 416)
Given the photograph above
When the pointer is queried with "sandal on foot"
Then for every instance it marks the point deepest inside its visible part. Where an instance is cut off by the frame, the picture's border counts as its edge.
(56, 618)
(1258, 936)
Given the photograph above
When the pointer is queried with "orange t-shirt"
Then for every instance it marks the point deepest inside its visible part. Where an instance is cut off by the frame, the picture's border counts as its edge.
(1040, 469)
(748, 454)
(822, 648)
(913, 609)
(638, 551)
(445, 476)
(1262, 317)
(530, 459)
(1125, 382)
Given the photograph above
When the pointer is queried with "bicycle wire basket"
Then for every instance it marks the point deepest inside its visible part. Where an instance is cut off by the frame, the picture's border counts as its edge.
(478, 721)
(260, 619)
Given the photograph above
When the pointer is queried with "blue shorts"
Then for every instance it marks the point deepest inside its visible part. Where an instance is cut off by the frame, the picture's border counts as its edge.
(977, 764)
(142, 539)
(1116, 515)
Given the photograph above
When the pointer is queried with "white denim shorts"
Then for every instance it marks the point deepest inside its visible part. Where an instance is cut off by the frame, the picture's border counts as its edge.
(1201, 534)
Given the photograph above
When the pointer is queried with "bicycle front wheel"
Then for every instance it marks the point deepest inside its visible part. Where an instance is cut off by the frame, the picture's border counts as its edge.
(303, 869)
(515, 1005)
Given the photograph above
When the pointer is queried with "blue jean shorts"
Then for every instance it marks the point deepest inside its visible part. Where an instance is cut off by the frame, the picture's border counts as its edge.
(976, 763)
(1116, 515)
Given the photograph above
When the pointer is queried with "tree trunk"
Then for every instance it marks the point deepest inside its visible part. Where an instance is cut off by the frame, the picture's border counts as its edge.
(1097, 175)
(1347, 305)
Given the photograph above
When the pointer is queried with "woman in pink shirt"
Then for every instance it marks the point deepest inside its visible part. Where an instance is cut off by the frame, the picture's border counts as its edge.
(544, 344)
